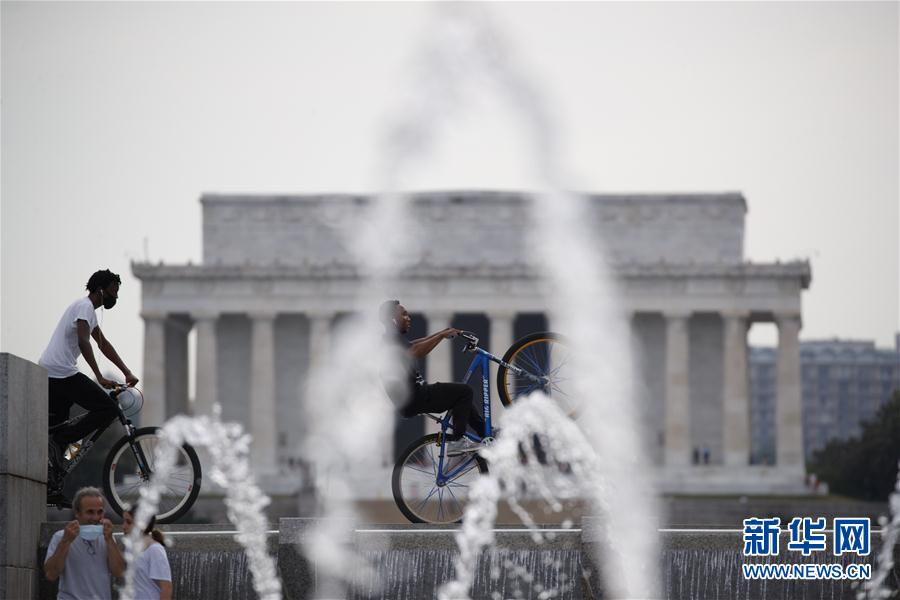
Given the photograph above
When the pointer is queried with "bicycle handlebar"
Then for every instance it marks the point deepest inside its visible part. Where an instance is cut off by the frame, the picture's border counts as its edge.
(471, 340)
(131, 404)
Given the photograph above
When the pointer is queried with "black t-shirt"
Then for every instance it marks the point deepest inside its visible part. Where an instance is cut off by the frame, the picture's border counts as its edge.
(402, 392)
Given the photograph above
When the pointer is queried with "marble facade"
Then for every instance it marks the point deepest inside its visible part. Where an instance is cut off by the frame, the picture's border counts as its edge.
(275, 277)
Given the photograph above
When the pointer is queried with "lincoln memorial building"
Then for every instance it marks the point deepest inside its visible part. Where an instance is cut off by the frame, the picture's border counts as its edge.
(276, 278)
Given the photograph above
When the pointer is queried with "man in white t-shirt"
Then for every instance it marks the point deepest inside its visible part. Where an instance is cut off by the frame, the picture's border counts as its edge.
(83, 555)
(68, 386)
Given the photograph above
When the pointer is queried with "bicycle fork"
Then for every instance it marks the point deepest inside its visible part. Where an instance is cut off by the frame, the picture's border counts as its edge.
(139, 456)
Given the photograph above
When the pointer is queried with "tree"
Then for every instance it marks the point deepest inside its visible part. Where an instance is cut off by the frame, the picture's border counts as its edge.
(864, 467)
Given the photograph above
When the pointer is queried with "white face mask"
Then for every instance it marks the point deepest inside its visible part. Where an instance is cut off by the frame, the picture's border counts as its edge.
(90, 532)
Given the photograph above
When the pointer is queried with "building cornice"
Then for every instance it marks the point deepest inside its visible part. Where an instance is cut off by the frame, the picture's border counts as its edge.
(481, 197)
(796, 270)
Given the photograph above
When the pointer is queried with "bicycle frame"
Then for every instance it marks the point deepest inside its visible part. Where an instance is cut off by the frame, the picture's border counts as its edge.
(92, 439)
(482, 361)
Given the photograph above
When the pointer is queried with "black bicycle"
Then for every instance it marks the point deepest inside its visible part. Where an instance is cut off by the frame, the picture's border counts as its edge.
(129, 464)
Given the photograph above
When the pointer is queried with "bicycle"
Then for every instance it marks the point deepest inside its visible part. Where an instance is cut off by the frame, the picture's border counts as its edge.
(129, 465)
(430, 487)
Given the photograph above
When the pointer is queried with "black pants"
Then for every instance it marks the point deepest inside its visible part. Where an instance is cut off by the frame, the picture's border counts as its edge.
(440, 397)
(80, 390)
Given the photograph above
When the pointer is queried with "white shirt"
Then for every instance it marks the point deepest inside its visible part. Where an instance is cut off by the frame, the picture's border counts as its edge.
(85, 575)
(61, 356)
(151, 566)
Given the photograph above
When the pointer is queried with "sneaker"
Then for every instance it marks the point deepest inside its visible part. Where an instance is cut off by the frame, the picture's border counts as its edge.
(461, 446)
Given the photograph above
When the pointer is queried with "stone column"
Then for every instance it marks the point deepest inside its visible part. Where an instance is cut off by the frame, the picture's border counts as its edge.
(319, 350)
(678, 397)
(263, 417)
(789, 406)
(735, 399)
(177, 361)
(153, 379)
(439, 360)
(319, 338)
(207, 362)
(317, 356)
(501, 339)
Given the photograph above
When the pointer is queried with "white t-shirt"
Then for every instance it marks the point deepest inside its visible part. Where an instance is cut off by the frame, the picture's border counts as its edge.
(61, 356)
(85, 575)
(152, 564)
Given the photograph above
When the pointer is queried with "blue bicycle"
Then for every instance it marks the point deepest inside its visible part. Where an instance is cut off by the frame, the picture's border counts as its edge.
(431, 487)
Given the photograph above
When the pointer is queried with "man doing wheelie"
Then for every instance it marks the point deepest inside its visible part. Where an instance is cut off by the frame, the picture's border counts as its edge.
(413, 396)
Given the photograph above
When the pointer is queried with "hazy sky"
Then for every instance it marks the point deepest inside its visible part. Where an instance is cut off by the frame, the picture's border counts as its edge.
(116, 117)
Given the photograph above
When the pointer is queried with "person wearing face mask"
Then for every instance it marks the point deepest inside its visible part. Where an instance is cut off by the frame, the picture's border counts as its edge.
(83, 555)
(71, 338)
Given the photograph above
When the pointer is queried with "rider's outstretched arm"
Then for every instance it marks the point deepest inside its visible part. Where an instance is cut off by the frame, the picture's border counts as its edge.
(421, 347)
(84, 344)
(109, 352)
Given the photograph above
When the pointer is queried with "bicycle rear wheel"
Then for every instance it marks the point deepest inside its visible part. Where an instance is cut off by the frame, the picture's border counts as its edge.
(123, 476)
(544, 363)
(415, 486)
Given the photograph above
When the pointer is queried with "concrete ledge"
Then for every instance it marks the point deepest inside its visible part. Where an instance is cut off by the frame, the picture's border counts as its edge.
(410, 562)
(23, 418)
(18, 583)
(707, 564)
(23, 473)
(22, 507)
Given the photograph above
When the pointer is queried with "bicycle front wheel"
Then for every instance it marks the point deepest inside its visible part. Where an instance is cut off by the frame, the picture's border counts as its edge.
(543, 361)
(417, 492)
(123, 476)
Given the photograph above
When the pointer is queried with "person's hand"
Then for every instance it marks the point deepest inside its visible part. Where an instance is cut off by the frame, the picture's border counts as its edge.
(107, 383)
(107, 530)
(70, 532)
(130, 379)
(450, 332)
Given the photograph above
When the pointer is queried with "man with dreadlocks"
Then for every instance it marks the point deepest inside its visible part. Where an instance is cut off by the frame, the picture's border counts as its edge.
(68, 386)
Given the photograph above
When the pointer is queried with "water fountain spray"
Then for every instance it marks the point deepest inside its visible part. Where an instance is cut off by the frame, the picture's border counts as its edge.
(350, 418)
(582, 299)
(877, 587)
(229, 449)
(562, 466)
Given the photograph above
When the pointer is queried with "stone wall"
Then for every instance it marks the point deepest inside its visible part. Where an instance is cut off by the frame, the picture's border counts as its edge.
(462, 228)
(23, 473)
